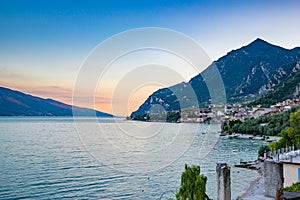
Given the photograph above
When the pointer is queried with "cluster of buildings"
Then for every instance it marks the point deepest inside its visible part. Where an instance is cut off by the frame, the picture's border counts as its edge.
(281, 169)
(217, 113)
(237, 111)
(196, 116)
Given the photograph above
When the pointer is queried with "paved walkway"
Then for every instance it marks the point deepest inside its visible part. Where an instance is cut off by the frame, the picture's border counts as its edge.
(257, 197)
(256, 190)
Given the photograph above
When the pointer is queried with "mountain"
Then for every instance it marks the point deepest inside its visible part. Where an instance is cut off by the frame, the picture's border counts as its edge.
(250, 70)
(15, 103)
(256, 67)
(289, 88)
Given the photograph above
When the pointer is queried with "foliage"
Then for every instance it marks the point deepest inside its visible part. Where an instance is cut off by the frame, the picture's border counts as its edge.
(144, 117)
(295, 187)
(295, 119)
(262, 149)
(263, 126)
(173, 116)
(274, 145)
(193, 185)
(291, 135)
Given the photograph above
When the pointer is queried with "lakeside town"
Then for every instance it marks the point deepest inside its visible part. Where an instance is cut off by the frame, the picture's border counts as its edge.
(216, 113)
(220, 80)
(278, 168)
(278, 163)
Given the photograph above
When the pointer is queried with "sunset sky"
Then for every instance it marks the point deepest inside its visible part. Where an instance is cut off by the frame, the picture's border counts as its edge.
(43, 43)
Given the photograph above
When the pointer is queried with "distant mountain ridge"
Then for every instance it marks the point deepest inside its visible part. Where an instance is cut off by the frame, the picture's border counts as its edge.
(250, 70)
(255, 68)
(16, 103)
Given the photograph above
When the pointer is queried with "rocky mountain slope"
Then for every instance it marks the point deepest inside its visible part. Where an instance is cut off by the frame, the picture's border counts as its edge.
(289, 88)
(250, 70)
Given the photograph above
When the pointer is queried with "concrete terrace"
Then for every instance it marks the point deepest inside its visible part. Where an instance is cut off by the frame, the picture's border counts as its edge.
(273, 169)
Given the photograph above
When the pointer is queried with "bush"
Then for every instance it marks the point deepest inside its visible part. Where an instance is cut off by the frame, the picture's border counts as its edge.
(274, 145)
(291, 135)
(295, 187)
(193, 184)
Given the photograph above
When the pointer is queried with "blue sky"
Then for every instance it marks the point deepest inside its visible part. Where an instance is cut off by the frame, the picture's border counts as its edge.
(43, 43)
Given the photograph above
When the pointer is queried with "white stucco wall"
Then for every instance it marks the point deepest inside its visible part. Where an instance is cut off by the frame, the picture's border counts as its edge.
(290, 173)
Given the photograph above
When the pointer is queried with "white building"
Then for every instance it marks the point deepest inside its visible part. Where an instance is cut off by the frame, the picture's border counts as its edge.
(291, 173)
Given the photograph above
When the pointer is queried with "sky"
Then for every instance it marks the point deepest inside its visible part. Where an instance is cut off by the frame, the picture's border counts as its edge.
(43, 43)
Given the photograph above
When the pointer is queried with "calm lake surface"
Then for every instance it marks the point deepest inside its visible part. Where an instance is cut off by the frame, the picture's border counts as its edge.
(55, 158)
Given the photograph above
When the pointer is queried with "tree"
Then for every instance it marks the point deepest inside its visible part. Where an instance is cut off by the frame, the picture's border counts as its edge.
(295, 119)
(291, 135)
(173, 116)
(193, 184)
(265, 125)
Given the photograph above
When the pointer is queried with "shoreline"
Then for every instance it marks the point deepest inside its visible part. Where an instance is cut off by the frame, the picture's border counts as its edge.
(250, 188)
(256, 188)
(256, 182)
(251, 137)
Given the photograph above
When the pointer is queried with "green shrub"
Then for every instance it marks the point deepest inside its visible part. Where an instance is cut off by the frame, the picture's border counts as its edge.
(295, 187)
(193, 184)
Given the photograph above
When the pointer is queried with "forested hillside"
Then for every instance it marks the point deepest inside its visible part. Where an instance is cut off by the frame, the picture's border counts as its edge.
(263, 126)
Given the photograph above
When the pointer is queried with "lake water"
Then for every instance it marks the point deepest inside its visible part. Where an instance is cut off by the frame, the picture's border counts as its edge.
(54, 157)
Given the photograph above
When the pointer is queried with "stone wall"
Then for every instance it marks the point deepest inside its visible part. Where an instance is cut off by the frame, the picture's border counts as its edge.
(223, 181)
(273, 174)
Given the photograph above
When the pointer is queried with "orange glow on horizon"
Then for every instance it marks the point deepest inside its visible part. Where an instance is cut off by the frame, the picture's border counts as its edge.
(120, 107)
(124, 107)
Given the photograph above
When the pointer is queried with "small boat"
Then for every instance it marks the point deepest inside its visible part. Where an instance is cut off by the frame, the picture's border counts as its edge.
(235, 150)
